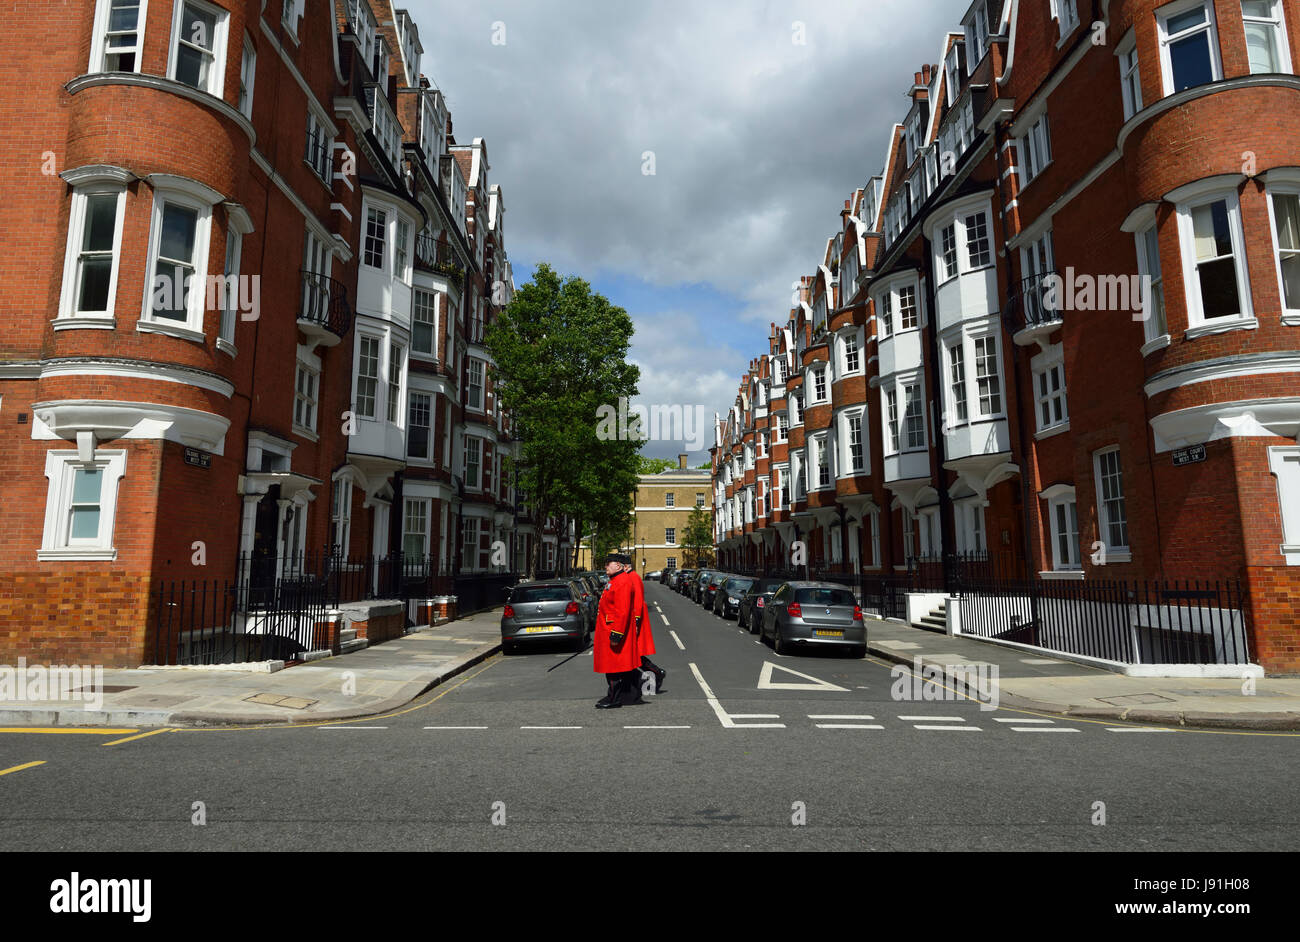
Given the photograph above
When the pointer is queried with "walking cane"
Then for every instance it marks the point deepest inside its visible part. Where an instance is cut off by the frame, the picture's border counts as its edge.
(584, 650)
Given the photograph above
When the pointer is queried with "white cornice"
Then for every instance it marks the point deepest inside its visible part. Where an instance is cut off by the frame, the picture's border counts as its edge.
(1200, 91)
(187, 185)
(22, 369)
(1256, 364)
(1246, 418)
(1205, 186)
(97, 173)
(109, 419)
(137, 369)
(159, 83)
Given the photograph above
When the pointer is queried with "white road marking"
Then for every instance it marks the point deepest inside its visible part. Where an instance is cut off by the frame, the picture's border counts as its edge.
(1040, 660)
(723, 717)
(755, 716)
(974, 729)
(765, 681)
(665, 618)
(1043, 729)
(1138, 729)
(839, 716)
(677, 639)
(550, 727)
(352, 727)
(455, 727)
(851, 726)
(999, 719)
(656, 727)
(946, 719)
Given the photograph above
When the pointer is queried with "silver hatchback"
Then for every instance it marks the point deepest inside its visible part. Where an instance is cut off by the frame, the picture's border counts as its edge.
(544, 611)
(814, 614)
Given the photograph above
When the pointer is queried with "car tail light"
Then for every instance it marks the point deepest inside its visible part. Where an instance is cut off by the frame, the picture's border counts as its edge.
(571, 608)
(759, 601)
(509, 612)
(794, 609)
(857, 613)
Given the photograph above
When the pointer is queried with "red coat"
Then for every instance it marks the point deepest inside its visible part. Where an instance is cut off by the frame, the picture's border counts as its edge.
(616, 614)
(646, 638)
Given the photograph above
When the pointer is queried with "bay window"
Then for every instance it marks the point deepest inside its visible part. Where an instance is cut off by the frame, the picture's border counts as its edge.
(376, 238)
(1266, 43)
(177, 260)
(473, 455)
(1155, 326)
(367, 376)
(247, 73)
(198, 47)
(1214, 260)
(118, 36)
(1130, 78)
(424, 323)
(419, 426)
(91, 262)
(1285, 209)
(395, 354)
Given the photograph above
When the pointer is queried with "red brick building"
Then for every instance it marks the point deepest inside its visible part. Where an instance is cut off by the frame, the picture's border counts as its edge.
(1059, 331)
(334, 402)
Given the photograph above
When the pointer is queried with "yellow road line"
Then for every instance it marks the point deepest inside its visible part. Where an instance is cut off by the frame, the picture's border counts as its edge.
(153, 732)
(19, 768)
(491, 662)
(65, 730)
(1081, 719)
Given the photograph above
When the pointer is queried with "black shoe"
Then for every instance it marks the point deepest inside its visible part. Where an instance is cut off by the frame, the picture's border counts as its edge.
(660, 674)
(607, 704)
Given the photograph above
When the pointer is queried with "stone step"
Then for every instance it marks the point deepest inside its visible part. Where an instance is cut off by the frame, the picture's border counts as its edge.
(356, 644)
(347, 634)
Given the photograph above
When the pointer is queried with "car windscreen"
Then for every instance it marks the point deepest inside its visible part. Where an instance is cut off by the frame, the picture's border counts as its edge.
(541, 593)
(825, 597)
(738, 586)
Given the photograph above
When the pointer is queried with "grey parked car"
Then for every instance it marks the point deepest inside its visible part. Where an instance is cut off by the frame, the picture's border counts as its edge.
(726, 601)
(814, 614)
(544, 611)
(752, 604)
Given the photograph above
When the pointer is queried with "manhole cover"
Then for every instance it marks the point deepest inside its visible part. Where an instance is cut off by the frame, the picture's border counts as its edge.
(1136, 698)
(272, 699)
(107, 688)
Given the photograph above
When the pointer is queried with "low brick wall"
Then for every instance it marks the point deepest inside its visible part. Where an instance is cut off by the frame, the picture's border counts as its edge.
(1275, 618)
(377, 621)
(75, 618)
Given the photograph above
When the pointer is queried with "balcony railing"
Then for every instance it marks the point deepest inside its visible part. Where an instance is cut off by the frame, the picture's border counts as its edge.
(437, 255)
(1035, 307)
(325, 303)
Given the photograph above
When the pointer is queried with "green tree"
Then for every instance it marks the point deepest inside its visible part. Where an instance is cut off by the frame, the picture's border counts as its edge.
(560, 354)
(655, 465)
(697, 541)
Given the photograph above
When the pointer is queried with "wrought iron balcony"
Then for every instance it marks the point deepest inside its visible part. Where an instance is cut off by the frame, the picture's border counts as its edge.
(1035, 311)
(326, 314)
(436, 255)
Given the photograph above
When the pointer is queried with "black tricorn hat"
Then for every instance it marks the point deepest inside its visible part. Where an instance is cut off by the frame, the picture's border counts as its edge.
(622, 558)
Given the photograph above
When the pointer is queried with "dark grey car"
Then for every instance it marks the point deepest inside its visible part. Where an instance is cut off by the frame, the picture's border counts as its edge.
(814, 614)
(753, 603)
(726, 601)
(537, 612)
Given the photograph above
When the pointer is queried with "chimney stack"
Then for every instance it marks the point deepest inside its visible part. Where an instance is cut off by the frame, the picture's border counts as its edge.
(681, 462)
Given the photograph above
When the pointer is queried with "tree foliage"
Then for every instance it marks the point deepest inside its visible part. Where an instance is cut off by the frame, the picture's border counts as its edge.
(655, 465)
(560, 353)
(697, 541)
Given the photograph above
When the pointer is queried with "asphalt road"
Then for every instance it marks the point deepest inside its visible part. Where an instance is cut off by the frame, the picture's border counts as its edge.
(511, 757)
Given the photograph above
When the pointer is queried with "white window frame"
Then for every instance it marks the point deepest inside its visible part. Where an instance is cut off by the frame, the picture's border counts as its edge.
(99, 38)
(1284, 463)
(56, 542)
(410, 425)
(216, 85)
(971, 527)
(670, 536)
(1197, 323)
(312, 370)
(290, 13)
(1155, 324)
(1062, 497)
(432, 353)
(341, 514)
(247, 77)
(1163, 15)
(1114, 552)
(377, 378)
(856, 352)
(977, 37)
(1066, 14)
(1287, 185)
(1035, 147)
(477, 483)
(318, 129)
(471, 541)
(383, 212)
(1277, 20)
(192, 327)
(472, 400)
(1130, 74)
(395, 376)
(847, 467)
(67, 313)
(819, 385)
(423, 507)
(1050, 361)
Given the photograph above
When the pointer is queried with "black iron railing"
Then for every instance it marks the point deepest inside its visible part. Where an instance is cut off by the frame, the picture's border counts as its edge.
(437, 255)
(325, 303)
(1036, 304)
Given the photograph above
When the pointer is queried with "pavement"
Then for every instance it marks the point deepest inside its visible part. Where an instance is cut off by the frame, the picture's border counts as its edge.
(363, 683)
(379, 679)
(1034, 680)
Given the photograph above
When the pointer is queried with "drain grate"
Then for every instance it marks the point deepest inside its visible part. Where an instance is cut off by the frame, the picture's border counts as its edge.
(107, 688)
(272, 699)
(1136, 698)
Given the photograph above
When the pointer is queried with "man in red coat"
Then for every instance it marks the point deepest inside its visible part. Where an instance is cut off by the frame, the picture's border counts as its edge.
(615, 653)
(645, 633)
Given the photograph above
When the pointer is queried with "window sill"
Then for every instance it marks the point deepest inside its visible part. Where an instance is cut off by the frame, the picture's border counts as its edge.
(85, 322)
(225, 346)
(305, 433)
(1291, 319)
(179, 331)
(76, 553)
(1151, 346)
(1051, 431)
(1118, 556)
(1063, 575)
(1221, 325)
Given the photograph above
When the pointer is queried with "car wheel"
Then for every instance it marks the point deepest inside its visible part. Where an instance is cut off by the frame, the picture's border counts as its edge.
(779, 644)
(740, 620)
(754, 629)
(762, 634)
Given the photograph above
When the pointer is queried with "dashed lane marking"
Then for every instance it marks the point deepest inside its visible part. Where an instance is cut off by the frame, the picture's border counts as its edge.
(665, 618)
(455, 727)
(550, 727)
(352, 727)
(678, 640)
(839, 716)
(850, 726)
(937, 719)
(656, 727)
(1018, 719)
(1043, 729)
(974, 729)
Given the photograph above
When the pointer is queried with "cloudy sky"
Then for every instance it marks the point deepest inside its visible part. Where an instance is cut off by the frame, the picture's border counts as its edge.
(762, 118)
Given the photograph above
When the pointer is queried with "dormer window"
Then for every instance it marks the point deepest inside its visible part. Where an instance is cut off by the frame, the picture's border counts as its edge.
(977, 37)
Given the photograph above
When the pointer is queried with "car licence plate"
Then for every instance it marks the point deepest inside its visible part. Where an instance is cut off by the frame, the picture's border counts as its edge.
(830, 634)
(541, 629)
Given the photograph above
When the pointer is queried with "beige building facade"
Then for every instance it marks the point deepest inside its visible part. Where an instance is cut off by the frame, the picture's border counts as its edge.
(661, 510)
